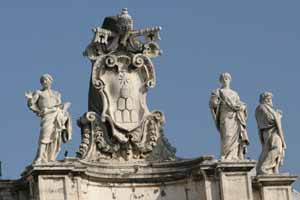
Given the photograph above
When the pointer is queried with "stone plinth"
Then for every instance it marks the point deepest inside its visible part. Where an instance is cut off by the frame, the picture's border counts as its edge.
(74, 179)
(235, 180)
(202, 178)
(226, 180)
(275, 187)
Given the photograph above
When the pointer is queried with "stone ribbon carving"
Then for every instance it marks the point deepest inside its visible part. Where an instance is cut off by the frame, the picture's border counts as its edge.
(230, 115)
(119, 124)
(271, 136)
(56, 124)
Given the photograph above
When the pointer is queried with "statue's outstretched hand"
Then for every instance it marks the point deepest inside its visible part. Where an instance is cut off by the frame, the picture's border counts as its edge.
(284, 145)
(29, 94)
(66, 106)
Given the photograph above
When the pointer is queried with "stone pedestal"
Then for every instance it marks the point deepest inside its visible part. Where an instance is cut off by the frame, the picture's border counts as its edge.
(235, 180)
(275, 187)
(74, 179)
(225, 180)
(202, 178)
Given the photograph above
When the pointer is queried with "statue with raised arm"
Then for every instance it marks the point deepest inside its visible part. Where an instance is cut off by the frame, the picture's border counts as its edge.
(230, 115)
(55, 120)
(271, 136)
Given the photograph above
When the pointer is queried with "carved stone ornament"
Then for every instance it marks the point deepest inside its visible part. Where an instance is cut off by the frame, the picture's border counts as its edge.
(119, 124)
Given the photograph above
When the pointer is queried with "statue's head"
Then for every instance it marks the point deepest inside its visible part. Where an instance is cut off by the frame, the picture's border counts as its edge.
(46, 81)
(225, 79)
(266, 98)
(124, 21)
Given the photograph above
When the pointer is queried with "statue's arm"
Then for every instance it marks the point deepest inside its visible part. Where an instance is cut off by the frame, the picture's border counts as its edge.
(278, 117)
(214, 104)
(58, 96)
(233, 101)
(32, 102)
(240, 105)
(258, 121)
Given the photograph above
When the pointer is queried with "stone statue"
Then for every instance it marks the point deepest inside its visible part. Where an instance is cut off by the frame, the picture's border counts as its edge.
(119, 124)
(55, 120)
(230, 115)
(271, 136)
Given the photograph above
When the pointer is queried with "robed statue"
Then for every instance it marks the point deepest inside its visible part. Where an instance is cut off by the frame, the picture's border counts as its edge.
(55, 120)
(271, 136)
(230, 115)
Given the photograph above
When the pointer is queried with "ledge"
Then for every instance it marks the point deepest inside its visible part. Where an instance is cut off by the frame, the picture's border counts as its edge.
(274, 180)
(122, 172)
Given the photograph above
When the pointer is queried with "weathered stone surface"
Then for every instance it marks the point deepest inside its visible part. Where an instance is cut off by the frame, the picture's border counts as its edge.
(78, 180)
(296, 195)
(14, 190)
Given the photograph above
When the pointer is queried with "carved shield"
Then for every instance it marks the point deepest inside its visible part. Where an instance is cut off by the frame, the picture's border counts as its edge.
(126, 81)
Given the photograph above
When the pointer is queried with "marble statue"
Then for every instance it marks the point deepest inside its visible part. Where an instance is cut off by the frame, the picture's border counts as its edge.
(118, 124)
(230, 115)
(55, 120)
(271, 136)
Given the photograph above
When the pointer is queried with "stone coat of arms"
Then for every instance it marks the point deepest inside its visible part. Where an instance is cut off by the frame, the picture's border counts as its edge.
(119, 124)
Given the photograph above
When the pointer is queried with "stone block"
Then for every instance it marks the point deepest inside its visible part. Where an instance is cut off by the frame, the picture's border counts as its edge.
(275, 187)
(235, 180)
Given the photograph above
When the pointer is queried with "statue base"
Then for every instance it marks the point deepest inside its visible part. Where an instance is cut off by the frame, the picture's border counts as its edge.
(187, 179)
(74, 179)
(275, 187)
(235, 179)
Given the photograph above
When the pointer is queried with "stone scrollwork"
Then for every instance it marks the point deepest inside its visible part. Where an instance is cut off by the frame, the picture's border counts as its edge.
(84, 124)
(111, 61)
(138, 60)
(142, 61)
(119, 124)
(151, 128)
(97, 142)
(98, 84)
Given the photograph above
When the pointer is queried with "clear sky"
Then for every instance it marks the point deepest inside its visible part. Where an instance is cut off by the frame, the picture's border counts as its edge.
(258, 42)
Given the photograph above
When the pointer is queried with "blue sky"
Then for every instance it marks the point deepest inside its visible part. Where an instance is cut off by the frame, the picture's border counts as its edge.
(258, 42)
